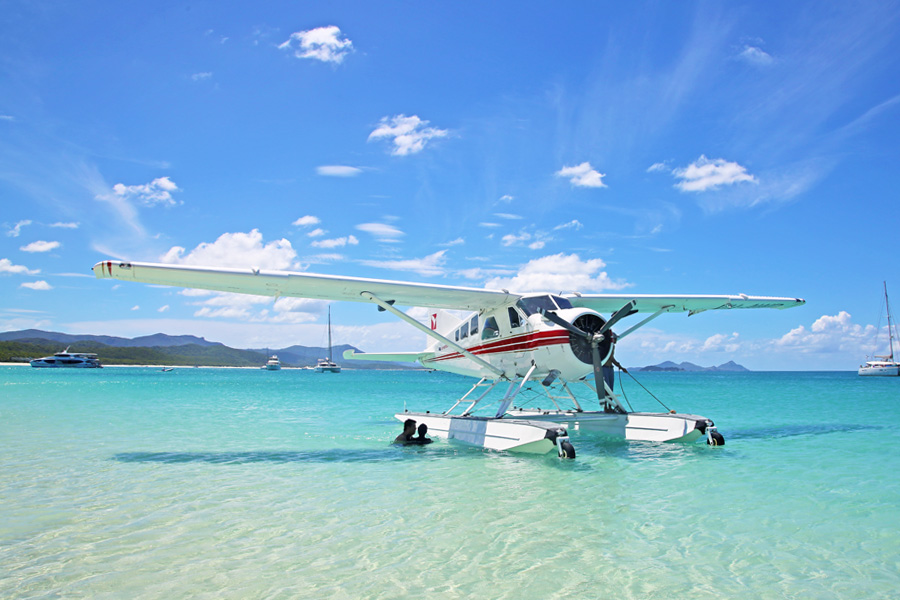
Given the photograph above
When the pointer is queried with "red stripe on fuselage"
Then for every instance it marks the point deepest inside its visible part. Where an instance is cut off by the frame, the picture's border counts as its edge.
(519, 343)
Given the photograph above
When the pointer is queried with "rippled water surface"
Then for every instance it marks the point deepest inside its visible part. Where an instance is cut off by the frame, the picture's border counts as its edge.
(229, 483)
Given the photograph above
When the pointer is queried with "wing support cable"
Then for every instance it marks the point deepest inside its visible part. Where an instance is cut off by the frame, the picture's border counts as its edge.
(430, 332)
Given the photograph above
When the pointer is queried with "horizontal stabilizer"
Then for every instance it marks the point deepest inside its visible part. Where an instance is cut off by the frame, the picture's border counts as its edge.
(388, 356)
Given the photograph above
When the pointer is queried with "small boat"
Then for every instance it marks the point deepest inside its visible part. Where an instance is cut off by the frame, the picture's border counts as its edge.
(273, 364)
(327, 365)
(66, 359)
(883, 365)
(167, 369)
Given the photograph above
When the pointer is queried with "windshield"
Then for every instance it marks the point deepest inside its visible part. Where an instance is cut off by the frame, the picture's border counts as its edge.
(562, 302)
(536, 304)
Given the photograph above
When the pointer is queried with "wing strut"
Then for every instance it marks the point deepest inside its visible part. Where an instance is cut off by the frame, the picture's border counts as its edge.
(645, 321)
(430, 332)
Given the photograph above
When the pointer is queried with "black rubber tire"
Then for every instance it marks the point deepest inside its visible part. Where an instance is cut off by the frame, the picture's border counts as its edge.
(568, 450)
(717, 439)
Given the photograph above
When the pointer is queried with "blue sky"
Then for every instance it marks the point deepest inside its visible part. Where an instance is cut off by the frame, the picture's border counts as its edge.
(653, 147)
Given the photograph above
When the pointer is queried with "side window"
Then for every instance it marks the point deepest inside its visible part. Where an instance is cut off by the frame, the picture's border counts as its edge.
(515, 320)
(473, 325)
(464, 331)
(490, 329)
(457, 335)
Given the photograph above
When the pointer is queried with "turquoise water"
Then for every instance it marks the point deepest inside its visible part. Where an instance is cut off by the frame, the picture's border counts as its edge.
(228, 483)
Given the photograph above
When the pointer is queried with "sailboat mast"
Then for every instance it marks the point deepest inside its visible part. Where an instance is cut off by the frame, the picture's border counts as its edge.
(329, 335)
(890, 325)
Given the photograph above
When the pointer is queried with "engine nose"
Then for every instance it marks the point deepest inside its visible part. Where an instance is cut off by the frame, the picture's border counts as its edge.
(590, 323)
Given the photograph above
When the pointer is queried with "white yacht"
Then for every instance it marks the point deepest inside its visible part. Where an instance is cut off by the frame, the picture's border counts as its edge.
(327, 365)
(883, 366)
(273, 364)
(66, 359)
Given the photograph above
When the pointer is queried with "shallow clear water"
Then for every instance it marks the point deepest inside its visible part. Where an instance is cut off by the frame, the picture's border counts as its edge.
(229, 483)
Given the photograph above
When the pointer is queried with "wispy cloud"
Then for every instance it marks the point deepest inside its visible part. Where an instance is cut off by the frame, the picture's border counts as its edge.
(583, 175)
(338, 171)
(336, 242)
(508, 216)
(705, 174)
(573, 224)
(6, 266)
(40, 246)
(201, 76)
(381, 231)
(65, 225)
(408, 134)
(37, 285)
(326, 44)
(16, 229)
(429, 266)
(756, 56)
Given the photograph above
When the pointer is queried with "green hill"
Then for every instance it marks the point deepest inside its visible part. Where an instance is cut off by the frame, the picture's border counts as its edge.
(186, 355)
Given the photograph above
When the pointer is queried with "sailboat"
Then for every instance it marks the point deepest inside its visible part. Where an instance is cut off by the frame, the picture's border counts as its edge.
(327, 365)
(884, 366)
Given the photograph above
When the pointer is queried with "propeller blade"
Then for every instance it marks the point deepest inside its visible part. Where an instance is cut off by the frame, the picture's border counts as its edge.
(555, 318)
(619, 314)
(598, 371)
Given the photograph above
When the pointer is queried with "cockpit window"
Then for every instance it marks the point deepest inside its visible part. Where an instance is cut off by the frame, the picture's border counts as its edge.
(490, 329)
(515, 318)
(561, 302)
(536, 304)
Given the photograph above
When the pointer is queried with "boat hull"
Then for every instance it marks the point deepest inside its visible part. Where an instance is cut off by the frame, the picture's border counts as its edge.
(513, 435)
(647, 427)
(880, 371)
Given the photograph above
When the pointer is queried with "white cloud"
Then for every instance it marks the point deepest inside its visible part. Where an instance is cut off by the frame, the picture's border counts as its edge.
(236, 250)
(9, 118)
(756, 56)
(506, 198)
(157, 192)
(583, 175)
(657, 167)
(65, 225)
(136, 307)
(512, 239)
(326, 44)
(37, 285)
(573, 224)
(409, 134)
(318, 232)
(559, 273)
(336, 242)
(306, 221)
(338, 171)
(162, 309)
(487, 224)
(201, 76)
(40, 246)
(429, 266)
(828, 333)
(509, 216)
(704, 174)
(6, 266)
(457, 242)
(381, 231)
(17, 228)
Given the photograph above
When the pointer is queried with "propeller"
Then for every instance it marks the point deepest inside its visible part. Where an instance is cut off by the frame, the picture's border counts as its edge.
(594, 337)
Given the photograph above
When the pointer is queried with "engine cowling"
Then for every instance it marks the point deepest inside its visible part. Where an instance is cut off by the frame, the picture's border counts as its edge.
(581, 347)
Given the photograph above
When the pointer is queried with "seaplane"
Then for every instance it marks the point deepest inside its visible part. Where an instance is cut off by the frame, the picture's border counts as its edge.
(560, 339)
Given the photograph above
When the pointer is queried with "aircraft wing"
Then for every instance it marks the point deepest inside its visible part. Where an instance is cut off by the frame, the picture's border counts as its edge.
(304, 285)
(608, 303)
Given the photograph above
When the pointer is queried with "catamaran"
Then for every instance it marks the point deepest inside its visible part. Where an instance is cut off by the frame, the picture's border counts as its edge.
(327, 365)
(883, 365)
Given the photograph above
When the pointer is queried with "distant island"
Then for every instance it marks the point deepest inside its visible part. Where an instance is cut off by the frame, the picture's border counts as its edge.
(163, 349)
(668, 365)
